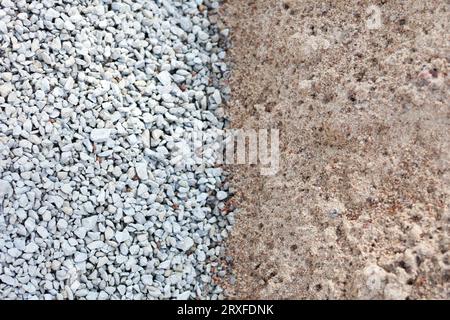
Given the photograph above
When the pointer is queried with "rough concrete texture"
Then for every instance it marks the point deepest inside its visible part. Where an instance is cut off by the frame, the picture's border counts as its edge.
(360, 206)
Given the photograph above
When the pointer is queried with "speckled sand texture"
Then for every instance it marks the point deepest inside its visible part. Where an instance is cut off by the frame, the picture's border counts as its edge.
(360, 206)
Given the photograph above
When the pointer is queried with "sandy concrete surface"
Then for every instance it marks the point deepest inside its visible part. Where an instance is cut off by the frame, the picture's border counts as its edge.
(360, 205)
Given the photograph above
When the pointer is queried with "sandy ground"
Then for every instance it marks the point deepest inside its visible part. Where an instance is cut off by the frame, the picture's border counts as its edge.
(360, 205)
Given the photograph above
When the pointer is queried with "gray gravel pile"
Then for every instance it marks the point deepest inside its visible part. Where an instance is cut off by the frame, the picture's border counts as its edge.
(93, 98)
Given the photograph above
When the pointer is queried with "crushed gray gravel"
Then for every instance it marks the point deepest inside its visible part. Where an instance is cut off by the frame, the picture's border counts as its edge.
(98, 199)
